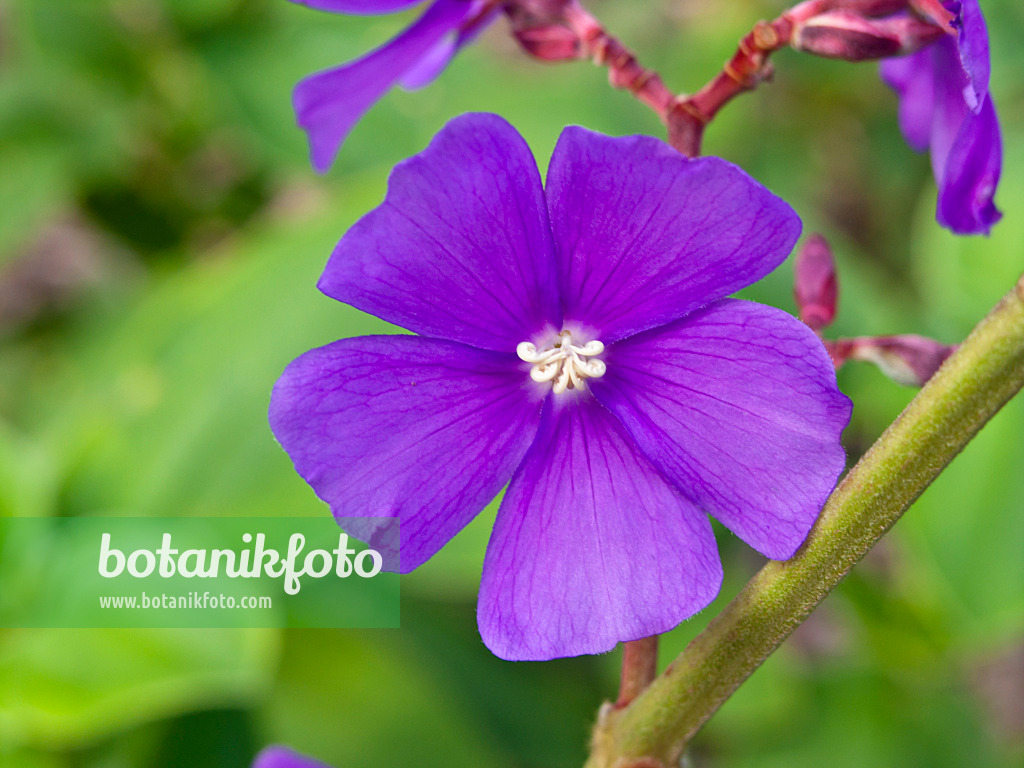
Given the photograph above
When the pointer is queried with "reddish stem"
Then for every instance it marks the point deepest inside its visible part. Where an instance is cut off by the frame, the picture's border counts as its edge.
(685, 116)
(639, 668)
(624, 71)
(747, 68)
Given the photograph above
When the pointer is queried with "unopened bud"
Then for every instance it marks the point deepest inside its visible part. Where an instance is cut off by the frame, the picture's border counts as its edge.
(540, 11)
(814, 284)
(909, 360)
(849, 36)
(871, 7)
(549, 43)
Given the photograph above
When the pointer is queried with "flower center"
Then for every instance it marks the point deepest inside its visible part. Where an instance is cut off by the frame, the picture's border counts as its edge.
(564, 363)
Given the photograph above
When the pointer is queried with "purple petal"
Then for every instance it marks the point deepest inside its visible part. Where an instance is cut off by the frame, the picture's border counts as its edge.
(591, 546)
(738, 405)
(972, 46)
(645, 235)
(431, 64)
(360, 7)
(949, 107)
(912, 77)
(398, 426)
(461, 247)
(282, 757)
(329, 103)
(971, 175)
(945, 106)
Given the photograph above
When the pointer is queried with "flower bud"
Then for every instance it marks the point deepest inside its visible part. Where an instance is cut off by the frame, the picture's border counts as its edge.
(549, 43)
(872, 7)
(849, 36)
(909, 360)
(539, 10)
(815, 283)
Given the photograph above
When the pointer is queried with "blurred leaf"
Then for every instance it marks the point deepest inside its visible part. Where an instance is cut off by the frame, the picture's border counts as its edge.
(28, 479)
(63, 688)
(178, 388)
(349, 680)
(966, 535)
(32, 189)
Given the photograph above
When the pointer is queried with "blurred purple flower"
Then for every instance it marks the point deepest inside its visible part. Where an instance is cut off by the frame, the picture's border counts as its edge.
(574, 341)
(282, 757)
(328, 104)
(945, 107)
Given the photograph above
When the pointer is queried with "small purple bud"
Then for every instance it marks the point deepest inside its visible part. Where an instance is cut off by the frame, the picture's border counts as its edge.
(909, 360)
(282, 757)
(815, 283)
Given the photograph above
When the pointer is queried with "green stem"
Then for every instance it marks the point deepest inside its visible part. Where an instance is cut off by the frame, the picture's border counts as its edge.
(974, 383)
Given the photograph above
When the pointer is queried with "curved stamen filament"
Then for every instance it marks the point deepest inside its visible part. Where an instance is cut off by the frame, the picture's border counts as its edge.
(564, 363)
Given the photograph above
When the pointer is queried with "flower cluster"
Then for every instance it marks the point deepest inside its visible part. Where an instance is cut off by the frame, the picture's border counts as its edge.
(574, 343)
(945, 108)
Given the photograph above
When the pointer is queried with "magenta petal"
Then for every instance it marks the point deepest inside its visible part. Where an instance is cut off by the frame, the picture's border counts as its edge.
(591, 546)
(360, 7)
(398, 426)
(645, 235)
(461, 247)
(282, 757)
(738, 405)
(329, 103)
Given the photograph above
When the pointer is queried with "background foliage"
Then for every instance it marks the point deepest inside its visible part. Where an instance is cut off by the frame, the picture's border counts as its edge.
(160, 238)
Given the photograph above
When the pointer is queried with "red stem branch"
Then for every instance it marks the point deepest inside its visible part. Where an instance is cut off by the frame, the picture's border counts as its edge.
(686, 116)
(748, 68)
(624, 71)
(639, 668)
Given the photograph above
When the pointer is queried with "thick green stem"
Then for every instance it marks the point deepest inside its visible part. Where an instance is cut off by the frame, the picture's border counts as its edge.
(974, 383)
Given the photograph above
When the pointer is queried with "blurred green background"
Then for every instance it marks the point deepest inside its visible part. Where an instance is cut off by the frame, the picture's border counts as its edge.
(161, 234)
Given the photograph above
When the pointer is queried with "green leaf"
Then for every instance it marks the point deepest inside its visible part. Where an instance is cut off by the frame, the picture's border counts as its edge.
(67, 688)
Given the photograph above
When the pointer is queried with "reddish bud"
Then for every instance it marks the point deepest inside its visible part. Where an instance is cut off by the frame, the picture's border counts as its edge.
(550, 43)
(849, 36)
(912, 32)
(808, 9)
(815, 283)
(539, 11)
(872, 7)
(909, 360)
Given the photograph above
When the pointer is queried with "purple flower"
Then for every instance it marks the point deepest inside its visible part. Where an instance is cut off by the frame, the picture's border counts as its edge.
(330, 103)
(282, 757)
(575, 344)
(945, 107)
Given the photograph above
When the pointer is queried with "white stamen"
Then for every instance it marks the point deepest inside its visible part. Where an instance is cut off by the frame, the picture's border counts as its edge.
(564, 363)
